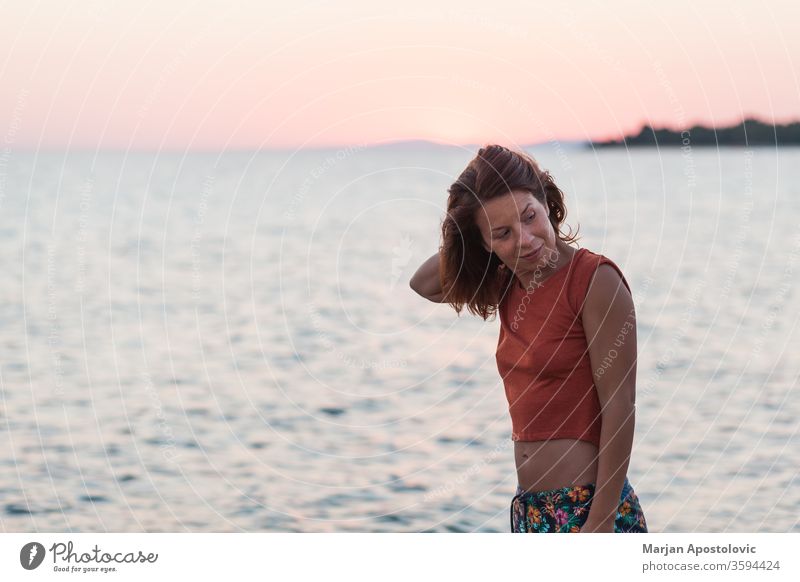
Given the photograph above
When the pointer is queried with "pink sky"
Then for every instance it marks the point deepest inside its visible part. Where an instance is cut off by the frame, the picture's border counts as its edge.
(214, 75)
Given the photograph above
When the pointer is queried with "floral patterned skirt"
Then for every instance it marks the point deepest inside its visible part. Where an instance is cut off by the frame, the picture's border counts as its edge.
(565, 510)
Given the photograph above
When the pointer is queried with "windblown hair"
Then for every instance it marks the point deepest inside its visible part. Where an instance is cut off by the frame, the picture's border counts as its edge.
(470, 275)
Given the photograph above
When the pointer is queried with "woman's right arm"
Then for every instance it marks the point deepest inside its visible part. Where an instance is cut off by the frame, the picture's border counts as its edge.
(426, 280)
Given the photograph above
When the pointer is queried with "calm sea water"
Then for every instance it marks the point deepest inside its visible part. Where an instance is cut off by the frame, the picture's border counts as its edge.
(228, 342)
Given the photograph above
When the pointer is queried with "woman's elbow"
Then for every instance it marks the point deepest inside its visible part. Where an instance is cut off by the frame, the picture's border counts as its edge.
(430, 295)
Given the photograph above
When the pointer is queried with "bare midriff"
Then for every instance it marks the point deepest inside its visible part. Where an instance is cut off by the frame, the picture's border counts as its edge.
(545, 465)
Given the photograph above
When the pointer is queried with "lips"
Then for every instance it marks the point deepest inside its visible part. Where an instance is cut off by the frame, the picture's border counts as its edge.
(532, 255)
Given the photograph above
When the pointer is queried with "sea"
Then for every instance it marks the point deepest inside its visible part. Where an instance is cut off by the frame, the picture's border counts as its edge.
(227, 341)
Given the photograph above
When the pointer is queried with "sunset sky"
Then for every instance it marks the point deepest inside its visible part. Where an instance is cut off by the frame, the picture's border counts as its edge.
(227, 75)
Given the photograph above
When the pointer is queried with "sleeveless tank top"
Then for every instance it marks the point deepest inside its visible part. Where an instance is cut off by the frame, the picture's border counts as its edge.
(543, 355)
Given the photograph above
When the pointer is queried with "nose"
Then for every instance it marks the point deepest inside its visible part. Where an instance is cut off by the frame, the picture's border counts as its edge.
(527, 242)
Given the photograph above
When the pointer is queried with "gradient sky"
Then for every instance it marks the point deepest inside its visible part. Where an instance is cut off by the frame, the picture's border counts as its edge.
(227, 74)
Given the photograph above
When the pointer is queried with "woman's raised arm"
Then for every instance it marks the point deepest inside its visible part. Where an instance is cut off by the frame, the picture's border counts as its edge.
(426, 280)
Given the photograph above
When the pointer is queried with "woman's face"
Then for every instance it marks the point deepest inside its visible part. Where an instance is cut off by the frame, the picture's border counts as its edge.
(516, 227)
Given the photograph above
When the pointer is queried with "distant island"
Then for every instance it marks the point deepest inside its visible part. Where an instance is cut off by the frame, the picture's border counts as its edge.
(750, 132)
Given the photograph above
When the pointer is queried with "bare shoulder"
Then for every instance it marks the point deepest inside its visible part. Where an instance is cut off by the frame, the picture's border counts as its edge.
(607, 292)
(605, 277)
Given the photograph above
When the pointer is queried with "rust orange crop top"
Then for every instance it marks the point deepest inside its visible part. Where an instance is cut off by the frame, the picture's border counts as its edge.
(543, 356)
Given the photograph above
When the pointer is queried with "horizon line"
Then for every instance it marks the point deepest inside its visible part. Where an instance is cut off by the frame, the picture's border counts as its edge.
(571, 142)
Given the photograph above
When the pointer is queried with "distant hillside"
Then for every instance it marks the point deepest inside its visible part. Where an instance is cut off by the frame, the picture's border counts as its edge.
(749, 132)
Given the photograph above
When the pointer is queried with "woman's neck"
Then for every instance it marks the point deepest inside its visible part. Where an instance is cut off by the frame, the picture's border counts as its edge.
(555, 260)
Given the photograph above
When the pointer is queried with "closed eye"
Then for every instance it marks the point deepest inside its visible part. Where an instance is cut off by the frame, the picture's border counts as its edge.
(504, 234)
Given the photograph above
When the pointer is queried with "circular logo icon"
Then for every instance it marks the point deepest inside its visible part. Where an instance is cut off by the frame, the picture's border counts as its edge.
(31, 555)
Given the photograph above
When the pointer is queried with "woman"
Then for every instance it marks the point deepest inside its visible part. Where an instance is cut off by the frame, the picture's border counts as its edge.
(567, 345)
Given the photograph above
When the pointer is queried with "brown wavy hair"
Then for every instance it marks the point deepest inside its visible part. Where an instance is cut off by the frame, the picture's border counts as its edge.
(470, 275)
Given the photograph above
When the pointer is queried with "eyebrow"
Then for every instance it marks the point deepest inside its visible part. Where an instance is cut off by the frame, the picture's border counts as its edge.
(524, 210)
